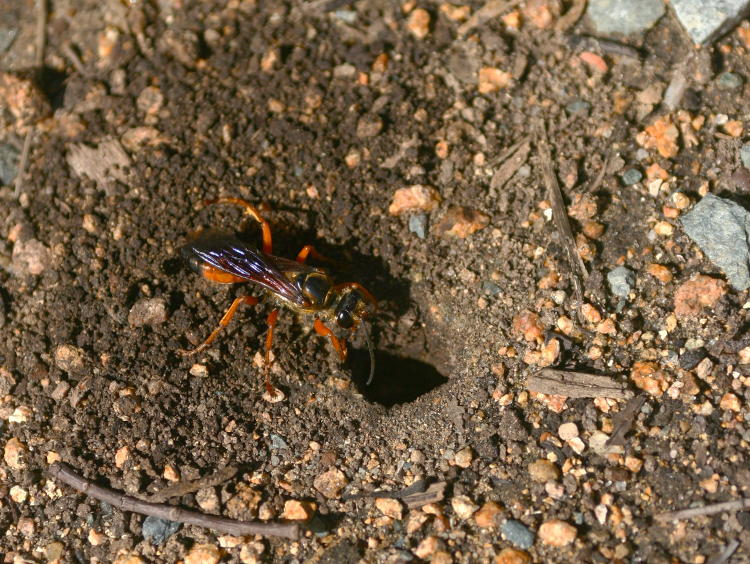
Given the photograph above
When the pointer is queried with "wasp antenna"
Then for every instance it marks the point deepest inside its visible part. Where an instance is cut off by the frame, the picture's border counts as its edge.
(372, 352)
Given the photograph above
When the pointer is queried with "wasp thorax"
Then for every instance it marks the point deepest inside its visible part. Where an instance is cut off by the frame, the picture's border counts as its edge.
(316, 288)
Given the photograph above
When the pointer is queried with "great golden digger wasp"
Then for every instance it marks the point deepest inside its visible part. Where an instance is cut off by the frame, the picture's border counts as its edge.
(222, 257)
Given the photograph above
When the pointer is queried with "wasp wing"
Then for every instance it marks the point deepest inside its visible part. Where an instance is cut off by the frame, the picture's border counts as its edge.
(229, 254)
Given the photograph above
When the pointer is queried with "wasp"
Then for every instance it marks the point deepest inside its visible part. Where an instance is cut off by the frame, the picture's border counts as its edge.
(338, 310)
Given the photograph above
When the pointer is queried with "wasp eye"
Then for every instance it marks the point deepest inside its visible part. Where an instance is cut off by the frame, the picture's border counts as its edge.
(344, 319)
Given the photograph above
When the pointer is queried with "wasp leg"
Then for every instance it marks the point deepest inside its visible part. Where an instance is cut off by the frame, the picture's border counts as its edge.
(247, 300)
(250, 210)
(309, 250)
(338, 344)
(272, 318)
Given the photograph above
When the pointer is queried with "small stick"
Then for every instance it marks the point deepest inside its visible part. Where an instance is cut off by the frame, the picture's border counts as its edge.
(189, 486)
(712, 509)
(41, 32)
(65, 474)
(600, 176)
(559, 212)
(576, 384)
(726, 554)
(623, 421)
(23, 162)
(490, 10)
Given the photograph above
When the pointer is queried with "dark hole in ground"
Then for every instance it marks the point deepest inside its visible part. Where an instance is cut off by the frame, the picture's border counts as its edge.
(398, 379)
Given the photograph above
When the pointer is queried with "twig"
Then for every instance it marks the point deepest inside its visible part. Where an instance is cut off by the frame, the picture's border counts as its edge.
(726, 554)
(600, 177)
(712, 509)
(490, 10)
(189, 486)
(41, 31)
(23, 162)
(559, 212)
(606, 46)
(40, 40)
(571, 17)
(65, 474)
(511, 159)
(576, 384)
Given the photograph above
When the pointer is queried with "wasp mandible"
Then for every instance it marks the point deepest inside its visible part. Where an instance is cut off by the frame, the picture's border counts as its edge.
(338, 310)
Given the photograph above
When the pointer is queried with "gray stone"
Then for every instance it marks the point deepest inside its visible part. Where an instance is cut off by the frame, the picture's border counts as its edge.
(721, 228)
(745, 155)
(624, 16)
(631, 176)
(157, 531)
(518, 534)
(621, 281)
(705, 20)
(418, 225)
(8, 163)
(6, 38)
(728, 81)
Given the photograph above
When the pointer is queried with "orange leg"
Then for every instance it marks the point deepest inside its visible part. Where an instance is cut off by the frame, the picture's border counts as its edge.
(250, 210)
(338, 344)
(248, 300)
(272, 318)
(309, 250)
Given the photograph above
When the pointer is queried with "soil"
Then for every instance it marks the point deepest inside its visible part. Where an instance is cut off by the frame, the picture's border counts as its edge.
(319, 112)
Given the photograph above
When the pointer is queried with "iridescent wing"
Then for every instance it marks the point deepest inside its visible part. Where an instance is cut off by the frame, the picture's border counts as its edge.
(228, 254)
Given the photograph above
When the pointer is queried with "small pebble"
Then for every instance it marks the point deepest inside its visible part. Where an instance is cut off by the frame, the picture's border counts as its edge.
(419, 23)
(369, 126)
(30, 256)
(461, 222)
(513, 556)
(14, 453)
(69, 359)
(427, 547)
(518, 534)
(487, 515)
(414, 198)
(18, 494)
(557, 533)
(157, 531)
(418, 225)
(631, 176)
(730, 402)
(151, 311)
(621, 281)
(9, 155)
(203, 554)
(390, 507)
(567, 431)
(330, 483)
(296, 510)
(695, 294)
(463, 507)
(543, 470)
(728, 81)
(463, 457)
(54, 551)
(578, 107)
(493, 79)
(745, 155)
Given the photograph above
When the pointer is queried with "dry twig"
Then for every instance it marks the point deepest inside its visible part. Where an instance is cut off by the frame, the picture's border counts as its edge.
(712, 509)
(65, 474)
(490, 10)
(576, 384)
(189, 486)
(559, 213)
